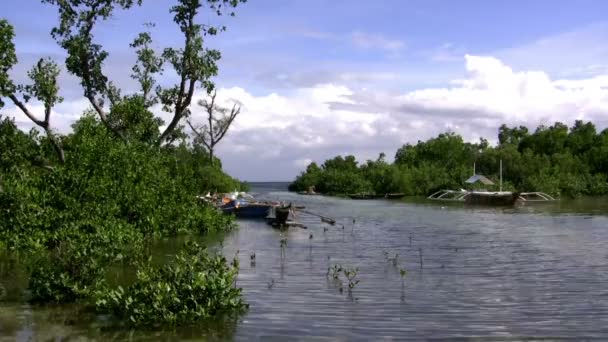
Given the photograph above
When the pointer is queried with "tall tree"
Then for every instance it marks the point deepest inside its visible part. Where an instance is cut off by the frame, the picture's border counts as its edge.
(194, 64)
(44, 87)
(218, 122)
(77, 19)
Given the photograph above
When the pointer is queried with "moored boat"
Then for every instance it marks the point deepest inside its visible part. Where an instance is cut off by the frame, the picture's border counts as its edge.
(498, 198)
(243, 208)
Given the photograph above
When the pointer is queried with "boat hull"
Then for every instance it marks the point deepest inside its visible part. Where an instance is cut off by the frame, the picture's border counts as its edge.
(491, 198)
(247, 211)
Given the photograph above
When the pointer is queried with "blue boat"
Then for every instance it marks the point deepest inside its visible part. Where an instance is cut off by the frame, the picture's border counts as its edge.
(244, 208)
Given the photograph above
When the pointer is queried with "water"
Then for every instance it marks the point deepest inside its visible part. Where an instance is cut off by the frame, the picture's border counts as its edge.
(533, 272)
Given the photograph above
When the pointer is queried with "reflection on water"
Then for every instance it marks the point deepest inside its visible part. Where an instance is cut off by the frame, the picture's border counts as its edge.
(537, 271)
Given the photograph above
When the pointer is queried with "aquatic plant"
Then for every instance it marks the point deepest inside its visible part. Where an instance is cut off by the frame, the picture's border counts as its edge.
(351, 274)
(334, 271)
(191, 287)
(77, 259)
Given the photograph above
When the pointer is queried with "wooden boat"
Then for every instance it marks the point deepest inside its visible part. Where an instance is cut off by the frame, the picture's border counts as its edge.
(498, 198)
(246, 209)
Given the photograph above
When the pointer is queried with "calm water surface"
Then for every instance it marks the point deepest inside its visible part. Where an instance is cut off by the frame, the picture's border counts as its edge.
(532, 272)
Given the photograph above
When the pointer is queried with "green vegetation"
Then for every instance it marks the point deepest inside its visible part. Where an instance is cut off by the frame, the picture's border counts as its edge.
(193, 286)
(557, 160)
(74, 207)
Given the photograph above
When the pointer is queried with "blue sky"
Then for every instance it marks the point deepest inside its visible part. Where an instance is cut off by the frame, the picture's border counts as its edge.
(399, 67)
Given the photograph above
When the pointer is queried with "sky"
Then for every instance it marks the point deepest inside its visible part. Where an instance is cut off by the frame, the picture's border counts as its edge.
(318, 78)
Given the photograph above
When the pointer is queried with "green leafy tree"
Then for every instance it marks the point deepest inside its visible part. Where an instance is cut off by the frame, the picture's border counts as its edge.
(193, 63)
(554, 159)
(43, 89)
(148, 65)
(85, 59)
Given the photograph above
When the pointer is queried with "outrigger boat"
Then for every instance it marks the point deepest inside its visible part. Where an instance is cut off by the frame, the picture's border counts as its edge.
(244, 208)
(484, 197)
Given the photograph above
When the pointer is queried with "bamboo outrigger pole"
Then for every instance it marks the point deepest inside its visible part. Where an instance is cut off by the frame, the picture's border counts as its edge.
(323, 218)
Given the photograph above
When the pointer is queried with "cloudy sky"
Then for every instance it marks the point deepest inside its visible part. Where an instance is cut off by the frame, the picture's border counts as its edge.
(318, 78)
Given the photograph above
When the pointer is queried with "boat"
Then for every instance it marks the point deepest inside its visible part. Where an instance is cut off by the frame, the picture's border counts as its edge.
(244, 208)
(484, 197)
(497, 198)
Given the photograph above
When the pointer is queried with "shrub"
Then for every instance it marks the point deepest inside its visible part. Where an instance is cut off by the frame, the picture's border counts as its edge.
(192, 287)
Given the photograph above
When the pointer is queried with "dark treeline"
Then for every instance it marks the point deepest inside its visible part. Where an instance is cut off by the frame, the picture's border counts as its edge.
(557, 160)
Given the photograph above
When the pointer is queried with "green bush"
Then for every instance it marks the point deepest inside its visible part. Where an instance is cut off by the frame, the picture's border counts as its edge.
(78, 257)
(192, 287)
(104, 205)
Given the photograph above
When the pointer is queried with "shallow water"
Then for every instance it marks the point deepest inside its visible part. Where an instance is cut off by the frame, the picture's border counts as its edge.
(532, 272)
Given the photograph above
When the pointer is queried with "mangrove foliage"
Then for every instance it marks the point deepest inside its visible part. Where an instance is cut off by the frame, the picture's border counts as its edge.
(554, 159)
(75, 206)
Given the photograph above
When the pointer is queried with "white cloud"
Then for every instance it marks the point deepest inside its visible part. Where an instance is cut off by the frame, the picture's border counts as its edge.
(278, 134)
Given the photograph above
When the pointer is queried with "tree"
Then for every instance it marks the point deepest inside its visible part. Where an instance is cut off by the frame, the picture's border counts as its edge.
(582, 137)
(85, 58)
(148, 64)
(219, 120)
(135, 121)
(511, 136)
(193, 63)
(44, 87)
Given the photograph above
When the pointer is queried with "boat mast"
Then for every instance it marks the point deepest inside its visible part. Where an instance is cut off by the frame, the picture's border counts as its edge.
(501, 175)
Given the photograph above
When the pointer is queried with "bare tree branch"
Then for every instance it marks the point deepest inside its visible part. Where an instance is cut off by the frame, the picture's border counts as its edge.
(219, 120)
(26, 111)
